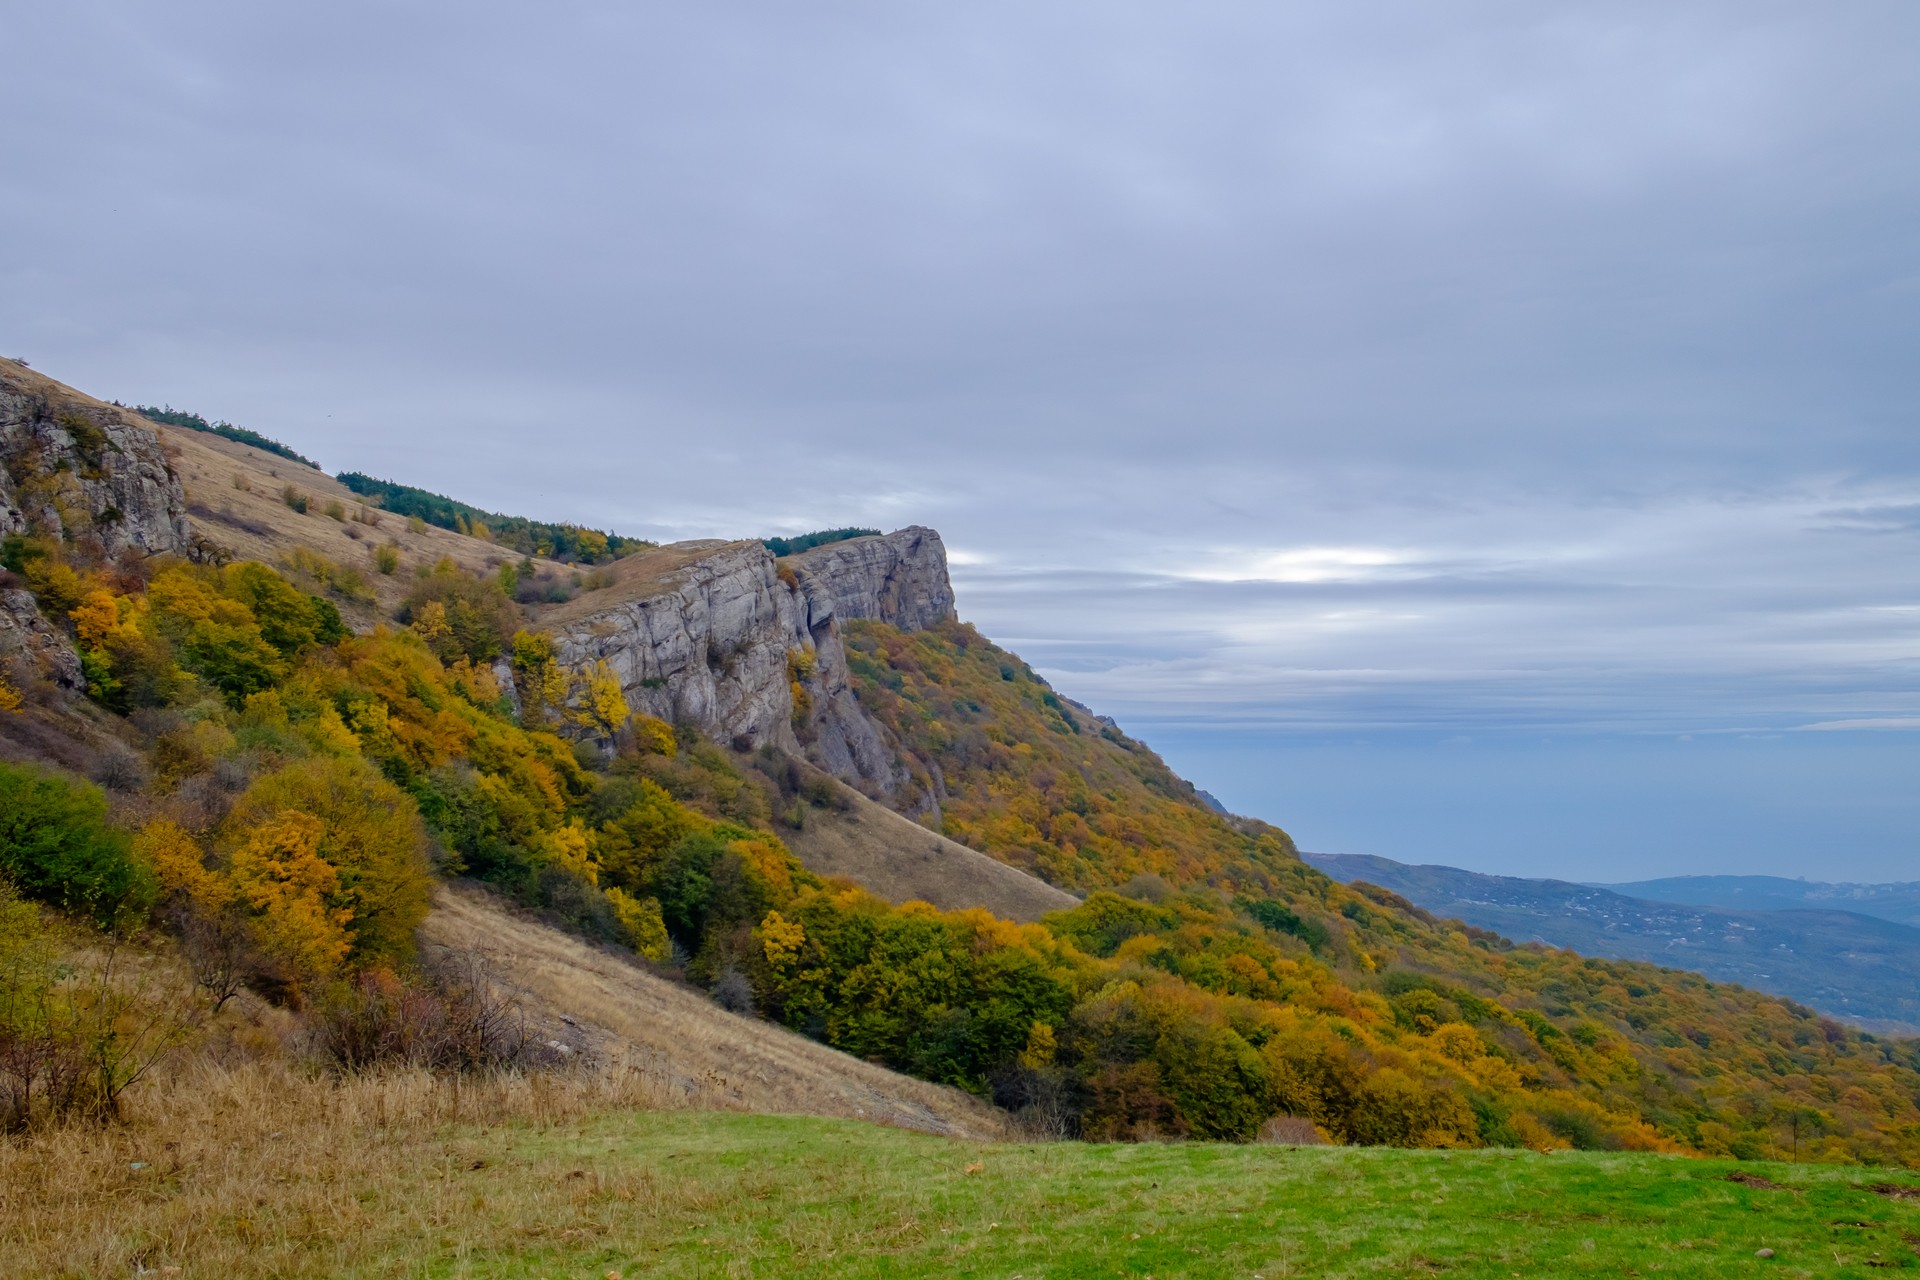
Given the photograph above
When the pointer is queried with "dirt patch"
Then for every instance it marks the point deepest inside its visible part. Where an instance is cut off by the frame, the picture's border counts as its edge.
(1894, 1191)
(1756, 1181)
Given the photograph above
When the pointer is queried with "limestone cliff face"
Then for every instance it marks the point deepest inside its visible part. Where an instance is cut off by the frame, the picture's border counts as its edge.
(900, 579)
(725, 640)
(84, 471)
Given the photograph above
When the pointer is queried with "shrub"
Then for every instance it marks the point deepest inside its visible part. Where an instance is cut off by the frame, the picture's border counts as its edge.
(452, 1018)
(56, 847)
(295, 499)
(469, 616)
(78, 1026)
(1292, 1131)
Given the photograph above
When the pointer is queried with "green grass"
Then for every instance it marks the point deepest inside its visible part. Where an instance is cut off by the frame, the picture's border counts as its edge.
(686, 1195)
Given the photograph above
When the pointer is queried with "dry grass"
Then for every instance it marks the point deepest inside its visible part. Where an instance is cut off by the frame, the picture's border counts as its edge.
(261, 1169)
(237, 1160)
(901, 860)
(236, 495)
(639, 576)
(700, 1052)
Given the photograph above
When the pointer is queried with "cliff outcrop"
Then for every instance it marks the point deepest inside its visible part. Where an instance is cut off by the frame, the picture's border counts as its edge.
(83, 470)
(88, 474)
(900, 579)
(748, 648)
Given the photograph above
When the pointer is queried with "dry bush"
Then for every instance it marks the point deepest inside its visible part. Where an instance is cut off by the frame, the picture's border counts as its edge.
(453, 1018)
(80, 1027)
(1292, 1131)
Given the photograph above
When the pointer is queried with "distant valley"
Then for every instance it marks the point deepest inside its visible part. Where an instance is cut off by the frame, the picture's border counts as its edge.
(1859, 962)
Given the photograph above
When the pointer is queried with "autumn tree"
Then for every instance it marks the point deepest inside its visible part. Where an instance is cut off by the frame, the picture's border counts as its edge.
(365, 829)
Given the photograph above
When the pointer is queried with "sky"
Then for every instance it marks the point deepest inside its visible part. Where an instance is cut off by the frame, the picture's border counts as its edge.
(1479, 433)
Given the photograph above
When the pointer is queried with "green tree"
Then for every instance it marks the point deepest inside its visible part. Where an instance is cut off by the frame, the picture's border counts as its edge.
(57, 847)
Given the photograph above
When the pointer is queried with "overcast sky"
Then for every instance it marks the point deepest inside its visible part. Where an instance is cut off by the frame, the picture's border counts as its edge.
(1445, 384)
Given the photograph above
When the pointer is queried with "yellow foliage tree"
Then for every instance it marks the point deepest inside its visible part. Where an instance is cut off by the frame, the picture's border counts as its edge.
(96, 617)
(430, 624)
(570, 847)
(781, 940)
(652, 734)
(300, 917)
(180, 863)
(368, 830)
(640, 917)
(604, 707)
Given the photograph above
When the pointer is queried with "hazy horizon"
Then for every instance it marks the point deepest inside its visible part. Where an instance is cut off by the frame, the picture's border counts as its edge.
(1476, 435)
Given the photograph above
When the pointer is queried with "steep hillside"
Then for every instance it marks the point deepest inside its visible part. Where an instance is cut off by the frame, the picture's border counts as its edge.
(712, 1057)
(1230, 909)
(222, 501)
(1855, 967)
(901, 861)
(1018, 772)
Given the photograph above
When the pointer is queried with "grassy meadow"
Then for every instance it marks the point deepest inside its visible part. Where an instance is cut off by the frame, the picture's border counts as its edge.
(265, 1174)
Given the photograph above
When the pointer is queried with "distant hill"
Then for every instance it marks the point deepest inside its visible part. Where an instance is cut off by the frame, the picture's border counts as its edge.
(1845, 963)
(1899, 903)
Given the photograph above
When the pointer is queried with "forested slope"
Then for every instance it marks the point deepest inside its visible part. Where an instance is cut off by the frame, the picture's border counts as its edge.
(1227, 949)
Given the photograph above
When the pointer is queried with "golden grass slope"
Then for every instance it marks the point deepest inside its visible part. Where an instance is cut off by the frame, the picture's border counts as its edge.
(901, 861)
(692, 1047)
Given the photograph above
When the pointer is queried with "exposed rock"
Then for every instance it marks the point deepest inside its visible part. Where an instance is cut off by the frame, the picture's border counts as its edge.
(84, 471)
(30, 647)
(899, 579)
(724, 640)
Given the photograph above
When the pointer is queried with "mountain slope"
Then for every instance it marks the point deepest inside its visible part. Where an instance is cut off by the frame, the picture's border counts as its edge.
(1899, 903)
(1851, 966)
(902, 861)
(1227, 982)
(1229, 908)
(716, 1058)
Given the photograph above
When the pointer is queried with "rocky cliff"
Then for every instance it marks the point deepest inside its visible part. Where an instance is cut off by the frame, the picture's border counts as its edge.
(748, 648)
(900, 579)
(75, 468)
(88, 474)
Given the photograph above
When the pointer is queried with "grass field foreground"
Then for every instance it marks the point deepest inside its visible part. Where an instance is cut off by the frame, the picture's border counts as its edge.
(291, 1179)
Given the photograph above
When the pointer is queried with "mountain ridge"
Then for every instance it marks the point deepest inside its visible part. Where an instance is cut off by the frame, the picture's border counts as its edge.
(1850, 965)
